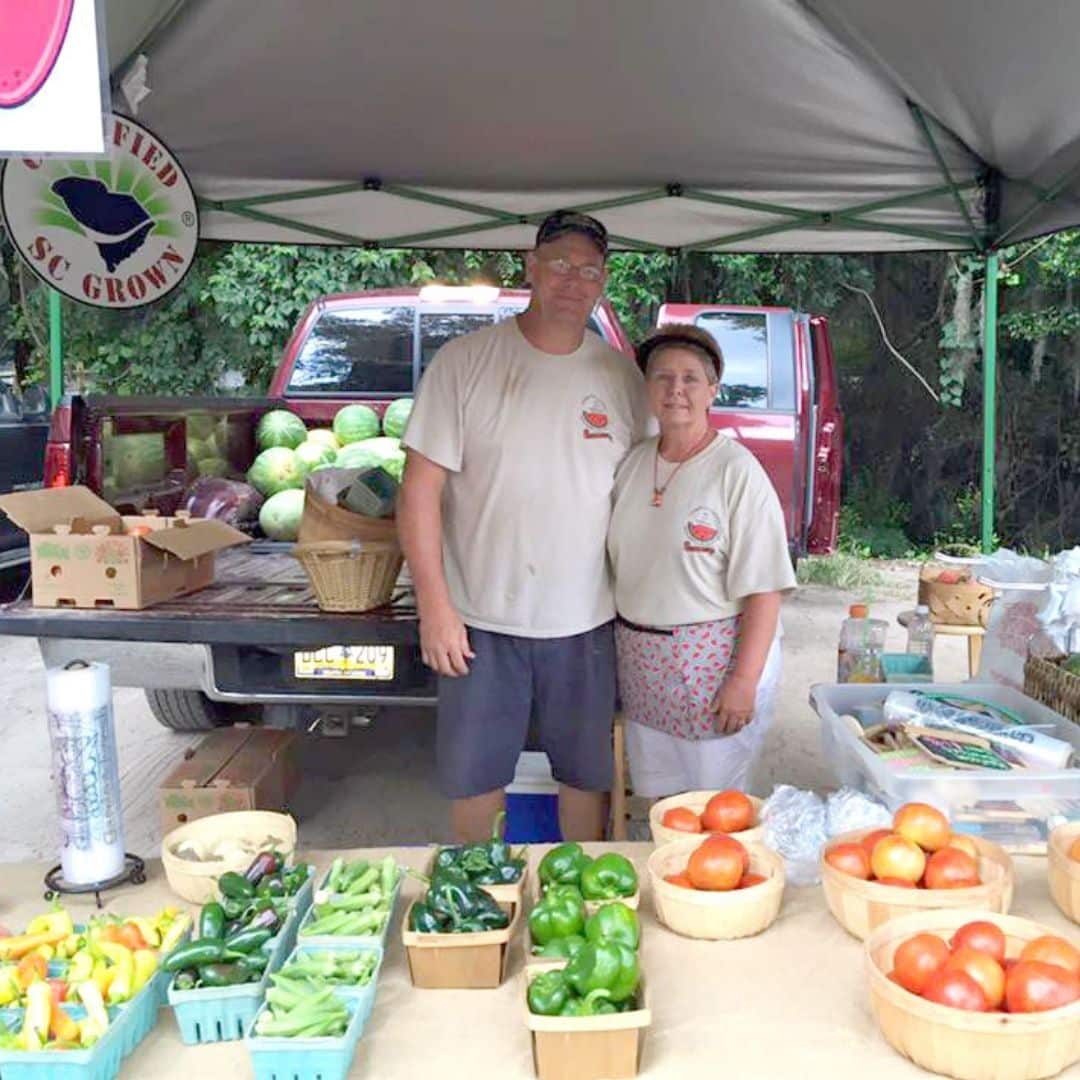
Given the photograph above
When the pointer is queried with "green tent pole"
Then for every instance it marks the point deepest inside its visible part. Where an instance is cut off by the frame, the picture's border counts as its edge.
(990, 308)
(56, 349)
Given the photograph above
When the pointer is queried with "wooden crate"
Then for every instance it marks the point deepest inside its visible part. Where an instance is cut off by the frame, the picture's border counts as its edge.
(458, 961)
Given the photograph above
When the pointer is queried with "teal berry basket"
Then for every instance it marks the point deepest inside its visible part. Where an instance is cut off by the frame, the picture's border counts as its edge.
(364, 994)
(220, 1014)
(102, 1061)
(306, 1059)
(906, 668)
(377, 940)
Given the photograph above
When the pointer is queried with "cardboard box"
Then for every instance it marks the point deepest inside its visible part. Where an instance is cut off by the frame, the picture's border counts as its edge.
(237, 768)
(83, 554)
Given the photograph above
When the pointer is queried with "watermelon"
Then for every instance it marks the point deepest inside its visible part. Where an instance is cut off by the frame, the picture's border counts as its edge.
(280, 515)
(135, 460)
(355, 422)
(357, 456)
(211, 466)
(325, 436)
(396, 416)
(280, 427)
(313, 453)
(276, 470)
(200, 425)
(382, 451)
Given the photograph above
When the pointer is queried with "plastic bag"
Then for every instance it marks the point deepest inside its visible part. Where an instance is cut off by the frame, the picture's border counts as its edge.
(848, 809)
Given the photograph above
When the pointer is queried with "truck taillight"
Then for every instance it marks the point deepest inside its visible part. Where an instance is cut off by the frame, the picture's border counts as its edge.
(58, 465)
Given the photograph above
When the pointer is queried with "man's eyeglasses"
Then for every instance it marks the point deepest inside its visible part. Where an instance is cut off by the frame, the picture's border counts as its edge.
(565, 268)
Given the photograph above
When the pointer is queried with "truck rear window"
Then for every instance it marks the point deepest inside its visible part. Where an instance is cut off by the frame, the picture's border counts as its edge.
(359, 350)
(438, 328)
(744, 341)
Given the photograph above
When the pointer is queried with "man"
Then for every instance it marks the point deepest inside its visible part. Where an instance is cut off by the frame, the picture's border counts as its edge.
(512, 448)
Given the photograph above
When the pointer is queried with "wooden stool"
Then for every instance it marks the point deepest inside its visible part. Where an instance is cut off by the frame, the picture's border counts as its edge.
(619, 815)
(974, 634)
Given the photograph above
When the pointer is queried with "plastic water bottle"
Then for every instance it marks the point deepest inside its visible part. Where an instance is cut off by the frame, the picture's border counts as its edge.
(920, 635)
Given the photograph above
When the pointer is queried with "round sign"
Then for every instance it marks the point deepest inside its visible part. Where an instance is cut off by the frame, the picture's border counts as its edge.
(115, 232)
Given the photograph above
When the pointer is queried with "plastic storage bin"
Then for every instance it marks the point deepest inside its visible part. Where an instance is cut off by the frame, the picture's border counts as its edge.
(364, 995)
(976, 792)
(306, 1059)
(213, 1014)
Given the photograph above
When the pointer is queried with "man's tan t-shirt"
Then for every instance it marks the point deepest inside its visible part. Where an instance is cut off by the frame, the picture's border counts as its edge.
(531, 442)
(718, 537)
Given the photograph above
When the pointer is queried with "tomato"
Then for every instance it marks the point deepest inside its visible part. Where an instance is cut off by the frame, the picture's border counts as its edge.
(849, 859)
(896, 883)
(679, 879)
(984, 969)
(1050, 949)
(917, 959)
(951, 868)
(717, 864)
(871, 838)
(727, 812)
(896, 856)
(957, 989)
(965, 844)
(1074, 851)
(982, 935)
(681, 818)
(893, 977)
(749, 880)
(923, 825)
(1032, 986)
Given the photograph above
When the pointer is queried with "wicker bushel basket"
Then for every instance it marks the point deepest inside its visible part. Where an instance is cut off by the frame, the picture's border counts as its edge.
(960, 603)
(351, 575)
(1048, 682)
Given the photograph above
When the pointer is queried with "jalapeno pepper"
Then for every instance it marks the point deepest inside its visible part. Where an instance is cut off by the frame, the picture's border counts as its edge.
(247, 941)
(212, 921)
(223, 975)
(195, 954)
(235, 886)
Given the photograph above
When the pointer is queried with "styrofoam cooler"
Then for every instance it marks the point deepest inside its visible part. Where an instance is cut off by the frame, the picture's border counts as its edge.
(532, 802)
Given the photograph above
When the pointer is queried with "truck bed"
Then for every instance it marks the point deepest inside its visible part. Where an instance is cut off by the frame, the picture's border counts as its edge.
(260, 596)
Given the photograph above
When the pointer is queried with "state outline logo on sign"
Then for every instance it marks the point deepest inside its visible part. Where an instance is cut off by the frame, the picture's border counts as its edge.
(116, 232)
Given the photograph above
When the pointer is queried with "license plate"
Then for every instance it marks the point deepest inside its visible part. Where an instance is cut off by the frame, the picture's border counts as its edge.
(367, 663)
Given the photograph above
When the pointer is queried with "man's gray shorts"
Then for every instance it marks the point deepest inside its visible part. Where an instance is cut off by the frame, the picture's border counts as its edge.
(557, 694)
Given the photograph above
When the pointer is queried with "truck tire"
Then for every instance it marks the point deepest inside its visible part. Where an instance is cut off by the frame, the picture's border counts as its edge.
(192, 710)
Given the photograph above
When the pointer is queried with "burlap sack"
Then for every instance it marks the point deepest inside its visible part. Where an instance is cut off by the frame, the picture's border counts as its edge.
(324, 520)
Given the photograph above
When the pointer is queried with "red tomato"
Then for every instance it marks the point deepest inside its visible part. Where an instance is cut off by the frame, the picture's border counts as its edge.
(896, 856)
(871, 838)
(965, 844)
(727, 812)
(1050, 949)
(1032, 986)
(957, 989)
(849, 859)
(717, 864)
(679, 879)
(896, 883)
(984, 969)
(1074, 851)
(893, 977)
(749, 880)
(982, 935)
(917, 959)
(681, 818)
(951, 868)
(923, 825)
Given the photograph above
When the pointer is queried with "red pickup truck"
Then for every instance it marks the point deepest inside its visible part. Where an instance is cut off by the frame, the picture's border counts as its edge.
(214, 656)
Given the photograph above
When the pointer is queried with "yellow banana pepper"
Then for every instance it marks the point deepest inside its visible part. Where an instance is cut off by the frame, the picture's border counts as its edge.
(82, 967)
(150, 933)
(145, 966)
(123, 971)
(9, 985)
(35, 1029)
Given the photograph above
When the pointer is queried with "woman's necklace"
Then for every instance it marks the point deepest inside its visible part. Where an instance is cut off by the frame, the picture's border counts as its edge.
(658, 489)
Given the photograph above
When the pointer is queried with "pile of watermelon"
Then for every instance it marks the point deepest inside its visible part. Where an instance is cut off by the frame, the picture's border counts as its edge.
(288, 452)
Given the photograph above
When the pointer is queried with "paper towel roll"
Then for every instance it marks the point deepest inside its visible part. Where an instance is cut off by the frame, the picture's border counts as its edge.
(86, 771)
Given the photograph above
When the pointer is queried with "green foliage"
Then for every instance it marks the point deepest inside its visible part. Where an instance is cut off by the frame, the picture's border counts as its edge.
(843, 570)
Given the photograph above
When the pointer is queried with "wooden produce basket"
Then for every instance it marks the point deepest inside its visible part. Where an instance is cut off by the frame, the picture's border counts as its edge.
(507, 897)
(696, 800)
(1049, 683)
(1065, 872)
(968, 1045)
(458, 961)
(715, 916)
(962, 603)
(351, 575)
(588, 1047)
(860, 907)
(197, 881)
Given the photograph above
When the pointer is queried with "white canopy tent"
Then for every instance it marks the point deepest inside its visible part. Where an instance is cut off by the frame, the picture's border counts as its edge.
(726, 125)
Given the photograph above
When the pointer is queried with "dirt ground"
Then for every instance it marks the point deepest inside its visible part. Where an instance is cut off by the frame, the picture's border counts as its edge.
(375, 786)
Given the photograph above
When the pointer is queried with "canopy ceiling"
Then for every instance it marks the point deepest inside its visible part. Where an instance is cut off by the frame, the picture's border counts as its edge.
(764, 125)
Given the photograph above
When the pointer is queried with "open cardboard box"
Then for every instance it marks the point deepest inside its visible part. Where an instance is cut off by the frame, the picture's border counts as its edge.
(84, 554)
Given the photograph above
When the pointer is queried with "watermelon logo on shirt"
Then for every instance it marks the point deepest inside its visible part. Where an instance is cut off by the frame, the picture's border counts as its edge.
(703, 527)
(594, 413)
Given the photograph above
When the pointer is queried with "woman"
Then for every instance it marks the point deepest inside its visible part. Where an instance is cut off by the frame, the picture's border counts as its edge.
(699, 553)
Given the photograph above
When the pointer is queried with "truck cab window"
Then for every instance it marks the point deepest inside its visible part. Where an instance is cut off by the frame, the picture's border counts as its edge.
(359, 350)
(437, 328)
(744, 341)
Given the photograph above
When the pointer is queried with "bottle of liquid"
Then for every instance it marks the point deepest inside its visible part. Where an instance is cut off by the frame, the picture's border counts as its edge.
(920, 636)
(862, 641)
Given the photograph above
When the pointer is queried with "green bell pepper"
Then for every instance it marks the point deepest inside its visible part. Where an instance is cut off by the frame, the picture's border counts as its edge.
(610, 876)
(597, 1003)
(563, 948)
(423, 920)
(556, 916)
(563, 865)
(548, 993)
(606, 965)
(614, 922)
